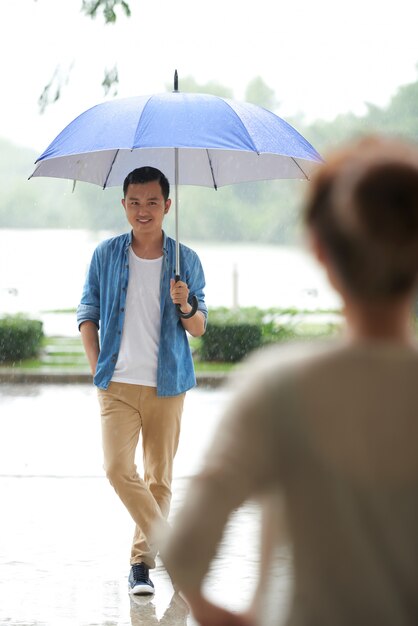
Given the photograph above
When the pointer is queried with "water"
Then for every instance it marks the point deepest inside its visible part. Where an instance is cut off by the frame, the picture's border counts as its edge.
(64, 535)
(45, 269)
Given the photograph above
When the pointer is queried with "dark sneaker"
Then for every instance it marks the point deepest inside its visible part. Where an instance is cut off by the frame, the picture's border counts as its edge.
(139, 580)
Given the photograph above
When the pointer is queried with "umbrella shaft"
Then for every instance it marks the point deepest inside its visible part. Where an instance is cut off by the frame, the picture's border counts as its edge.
(176, 202)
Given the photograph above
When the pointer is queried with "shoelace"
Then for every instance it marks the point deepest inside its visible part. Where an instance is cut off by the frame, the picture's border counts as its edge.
(140, 572)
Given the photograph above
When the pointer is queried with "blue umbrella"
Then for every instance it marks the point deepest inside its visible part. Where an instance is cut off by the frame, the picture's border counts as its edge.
(195, 139)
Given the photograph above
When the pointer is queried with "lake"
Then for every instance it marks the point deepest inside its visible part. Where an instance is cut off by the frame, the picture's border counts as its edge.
(44, 270)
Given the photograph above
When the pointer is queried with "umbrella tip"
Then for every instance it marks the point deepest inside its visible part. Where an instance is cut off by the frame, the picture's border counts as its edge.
(176, 81)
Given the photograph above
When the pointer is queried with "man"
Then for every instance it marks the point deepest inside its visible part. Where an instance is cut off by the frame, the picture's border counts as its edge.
(142, 364)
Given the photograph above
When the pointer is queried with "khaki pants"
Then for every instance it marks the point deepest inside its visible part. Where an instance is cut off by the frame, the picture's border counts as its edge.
(126, 411)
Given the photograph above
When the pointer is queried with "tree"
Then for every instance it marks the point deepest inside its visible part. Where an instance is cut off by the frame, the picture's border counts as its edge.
(259, 93)
(257, 90)
(52, 90)
(91, 8)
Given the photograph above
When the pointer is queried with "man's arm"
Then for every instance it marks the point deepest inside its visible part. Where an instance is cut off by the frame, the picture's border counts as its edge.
(90, 339)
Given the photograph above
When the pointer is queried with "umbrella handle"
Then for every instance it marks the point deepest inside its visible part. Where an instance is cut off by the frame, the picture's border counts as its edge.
(195, 303)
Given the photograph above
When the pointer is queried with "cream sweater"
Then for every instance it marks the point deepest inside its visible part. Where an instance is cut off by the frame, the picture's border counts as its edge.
(335, 431)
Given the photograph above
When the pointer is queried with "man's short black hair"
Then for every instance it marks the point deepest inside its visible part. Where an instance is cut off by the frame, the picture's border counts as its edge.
(147, 174)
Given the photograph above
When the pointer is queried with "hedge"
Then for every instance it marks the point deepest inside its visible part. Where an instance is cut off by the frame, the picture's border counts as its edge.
(20, 338)
(232, 334)
(229, 343)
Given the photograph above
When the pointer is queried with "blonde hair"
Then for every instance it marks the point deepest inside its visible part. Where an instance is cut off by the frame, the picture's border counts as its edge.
(363, 206)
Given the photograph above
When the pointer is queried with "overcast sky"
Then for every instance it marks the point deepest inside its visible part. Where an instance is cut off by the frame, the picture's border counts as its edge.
(321, 57)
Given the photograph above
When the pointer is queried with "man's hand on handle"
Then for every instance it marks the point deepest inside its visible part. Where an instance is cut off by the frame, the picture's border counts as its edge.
(179, 293)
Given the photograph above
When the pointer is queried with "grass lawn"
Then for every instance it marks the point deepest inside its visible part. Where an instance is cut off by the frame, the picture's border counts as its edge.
(67, 353)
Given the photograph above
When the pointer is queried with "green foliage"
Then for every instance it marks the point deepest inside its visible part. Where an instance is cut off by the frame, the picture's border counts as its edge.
(233, 334)
(273, 332)
(398, 118)
(20, 338)
(258, 92)
(111, 81)
(61, 76)
(229, 343)
(264, 212)
(52, 90)
(49, 202)
(91, 8)
(245, 315)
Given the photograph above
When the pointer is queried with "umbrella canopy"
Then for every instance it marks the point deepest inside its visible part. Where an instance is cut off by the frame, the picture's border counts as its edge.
(215, 141)
(194, 139)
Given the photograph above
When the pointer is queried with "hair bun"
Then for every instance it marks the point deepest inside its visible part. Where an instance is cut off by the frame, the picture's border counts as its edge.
(365, 202)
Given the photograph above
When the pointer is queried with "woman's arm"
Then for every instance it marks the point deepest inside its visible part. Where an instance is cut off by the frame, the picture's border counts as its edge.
(208, 614)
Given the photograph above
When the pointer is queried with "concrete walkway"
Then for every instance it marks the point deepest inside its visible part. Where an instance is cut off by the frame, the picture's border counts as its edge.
(64, 535)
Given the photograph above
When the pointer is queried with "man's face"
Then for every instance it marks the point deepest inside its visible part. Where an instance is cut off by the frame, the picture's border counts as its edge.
(145, 207)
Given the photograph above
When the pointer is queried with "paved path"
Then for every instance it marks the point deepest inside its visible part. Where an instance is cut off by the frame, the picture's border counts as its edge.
(64, 535)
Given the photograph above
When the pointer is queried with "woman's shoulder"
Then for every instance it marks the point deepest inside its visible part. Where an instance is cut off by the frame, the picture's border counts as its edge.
(291, 356)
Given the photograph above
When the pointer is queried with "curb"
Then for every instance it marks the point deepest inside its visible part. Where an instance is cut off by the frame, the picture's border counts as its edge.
(213, 380)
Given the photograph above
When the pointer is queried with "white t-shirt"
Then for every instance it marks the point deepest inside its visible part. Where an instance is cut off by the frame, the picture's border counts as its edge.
(138, 354)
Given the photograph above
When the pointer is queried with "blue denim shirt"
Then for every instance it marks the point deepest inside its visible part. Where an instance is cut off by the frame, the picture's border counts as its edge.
(104, 299)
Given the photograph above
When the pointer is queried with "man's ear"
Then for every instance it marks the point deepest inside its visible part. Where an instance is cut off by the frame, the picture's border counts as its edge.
(167, 206)
(123, 203)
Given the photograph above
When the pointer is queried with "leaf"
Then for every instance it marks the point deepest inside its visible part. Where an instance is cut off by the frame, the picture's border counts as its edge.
(111, 80)
(91, 8)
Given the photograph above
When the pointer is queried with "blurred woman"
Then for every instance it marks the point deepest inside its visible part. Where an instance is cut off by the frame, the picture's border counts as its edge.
(329, 430)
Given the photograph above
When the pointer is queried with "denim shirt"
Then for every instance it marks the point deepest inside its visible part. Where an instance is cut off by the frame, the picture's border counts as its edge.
(104, 299)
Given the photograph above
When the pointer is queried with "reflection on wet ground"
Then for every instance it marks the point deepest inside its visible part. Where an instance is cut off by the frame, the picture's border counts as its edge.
(65, 537)
(143, 611)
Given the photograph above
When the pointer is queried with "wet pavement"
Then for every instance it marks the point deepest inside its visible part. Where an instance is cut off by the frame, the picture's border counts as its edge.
(64, 535)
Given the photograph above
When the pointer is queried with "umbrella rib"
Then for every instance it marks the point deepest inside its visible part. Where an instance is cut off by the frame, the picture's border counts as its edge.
(110, 168)
(297, 165)
(135, 139)
(215, 186)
